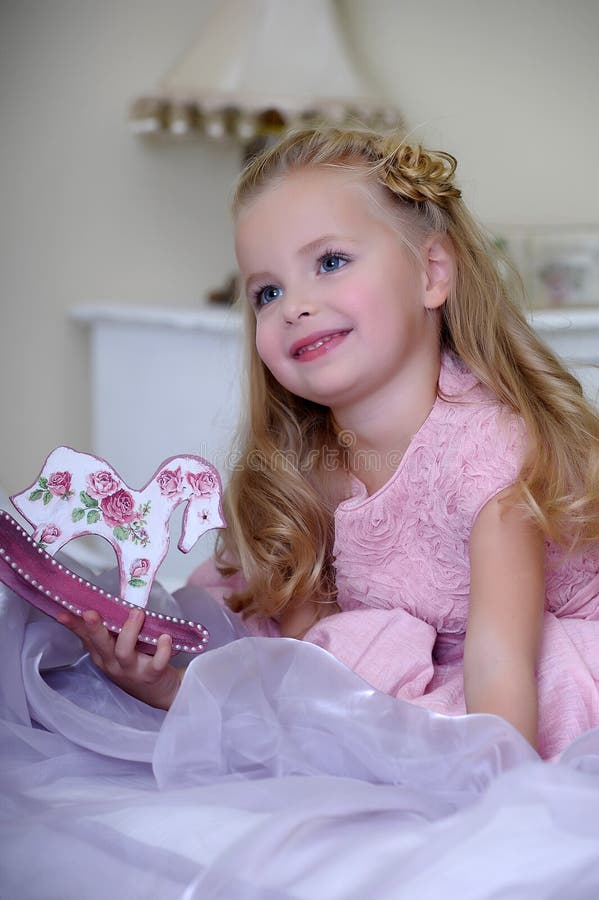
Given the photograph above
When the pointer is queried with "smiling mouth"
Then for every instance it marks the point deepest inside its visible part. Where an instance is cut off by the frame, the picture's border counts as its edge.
(315, 345)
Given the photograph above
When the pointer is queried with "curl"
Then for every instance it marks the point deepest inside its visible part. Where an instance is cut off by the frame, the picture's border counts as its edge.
(421, 175)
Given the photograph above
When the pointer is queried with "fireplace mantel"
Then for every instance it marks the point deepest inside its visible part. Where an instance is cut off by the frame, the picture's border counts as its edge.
(168, 381)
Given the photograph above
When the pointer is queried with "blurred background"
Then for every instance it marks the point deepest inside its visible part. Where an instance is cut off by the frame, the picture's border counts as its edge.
(96, 216)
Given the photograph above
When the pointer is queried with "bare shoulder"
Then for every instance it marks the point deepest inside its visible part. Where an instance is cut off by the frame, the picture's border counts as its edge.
(507, 575)
(504, 529)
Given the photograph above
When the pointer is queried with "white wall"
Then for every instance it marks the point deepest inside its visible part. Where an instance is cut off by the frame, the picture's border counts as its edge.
(92, 214)
(89, 212)
(508, 87)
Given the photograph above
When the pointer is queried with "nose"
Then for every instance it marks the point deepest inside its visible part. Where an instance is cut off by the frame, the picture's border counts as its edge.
(296, 306)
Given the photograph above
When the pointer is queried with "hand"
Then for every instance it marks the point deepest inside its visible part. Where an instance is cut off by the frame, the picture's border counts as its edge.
(148, 678)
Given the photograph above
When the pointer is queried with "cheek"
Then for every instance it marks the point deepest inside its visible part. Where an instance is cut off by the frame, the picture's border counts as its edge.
(260, 342)
(354, 295)
(266, 346)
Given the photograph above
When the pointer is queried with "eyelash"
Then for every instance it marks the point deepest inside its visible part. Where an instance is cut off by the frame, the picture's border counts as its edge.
(258, 291)
(336, 253)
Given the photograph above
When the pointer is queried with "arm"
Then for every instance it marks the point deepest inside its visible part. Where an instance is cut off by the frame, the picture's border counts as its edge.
(507, 593)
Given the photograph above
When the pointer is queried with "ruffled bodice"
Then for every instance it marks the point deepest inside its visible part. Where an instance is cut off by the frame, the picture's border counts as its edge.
(403, 573)
(407, 545)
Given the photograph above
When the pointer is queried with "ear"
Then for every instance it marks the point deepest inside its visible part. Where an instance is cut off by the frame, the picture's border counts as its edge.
(439, 270)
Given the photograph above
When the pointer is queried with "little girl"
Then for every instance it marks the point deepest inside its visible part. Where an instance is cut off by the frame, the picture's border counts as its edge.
(418, 490)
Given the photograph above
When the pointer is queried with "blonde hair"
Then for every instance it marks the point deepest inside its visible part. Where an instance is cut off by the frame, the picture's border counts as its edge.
(280, 501)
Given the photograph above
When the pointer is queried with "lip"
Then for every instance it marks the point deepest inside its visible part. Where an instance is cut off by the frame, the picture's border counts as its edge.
(315, 337)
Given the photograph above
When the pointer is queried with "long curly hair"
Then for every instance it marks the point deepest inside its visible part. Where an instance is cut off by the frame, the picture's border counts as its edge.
(281, 496)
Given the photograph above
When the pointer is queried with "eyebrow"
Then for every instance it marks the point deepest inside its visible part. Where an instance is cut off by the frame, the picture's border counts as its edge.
(309, 248)
(255, 276)
(305, 250)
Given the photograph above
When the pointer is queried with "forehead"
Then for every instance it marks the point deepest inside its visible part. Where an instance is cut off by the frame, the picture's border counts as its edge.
(309, 198)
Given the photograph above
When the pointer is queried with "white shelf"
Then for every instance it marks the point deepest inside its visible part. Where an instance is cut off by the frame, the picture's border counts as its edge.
(574, 335)
(569, 319)
(202, 318)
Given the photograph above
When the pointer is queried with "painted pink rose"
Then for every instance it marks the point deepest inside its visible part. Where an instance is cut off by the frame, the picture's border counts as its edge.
(101, 484)
(118, 508)
(59, 483)
(202, 483)
(139, 568)
(169, 482)
(50, 534)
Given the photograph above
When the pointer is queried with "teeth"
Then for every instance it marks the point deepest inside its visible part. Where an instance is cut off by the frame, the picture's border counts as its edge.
(319, 343)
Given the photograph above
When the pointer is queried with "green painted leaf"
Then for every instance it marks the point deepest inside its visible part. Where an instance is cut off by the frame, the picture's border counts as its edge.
(120, 533)
(93, 516)
(87, 500)
(43, 482)
(47, 497)
(77, 514)
(36, 495)
(136, 582)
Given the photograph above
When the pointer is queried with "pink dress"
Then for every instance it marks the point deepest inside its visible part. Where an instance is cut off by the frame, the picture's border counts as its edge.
(403, 577)
(403, 574)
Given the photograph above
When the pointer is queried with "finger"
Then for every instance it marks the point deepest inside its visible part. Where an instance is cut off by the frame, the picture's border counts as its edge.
(68, 620)
(78, 624)
(93, 635)
(162, 657)
(91, 617)
(124, 649)
(96, 637)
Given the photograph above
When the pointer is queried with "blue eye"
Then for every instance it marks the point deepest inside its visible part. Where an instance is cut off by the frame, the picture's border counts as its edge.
(266, 294)
(330, 262)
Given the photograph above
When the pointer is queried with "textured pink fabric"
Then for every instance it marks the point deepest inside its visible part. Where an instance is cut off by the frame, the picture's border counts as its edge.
(402, 570)
(401, 557)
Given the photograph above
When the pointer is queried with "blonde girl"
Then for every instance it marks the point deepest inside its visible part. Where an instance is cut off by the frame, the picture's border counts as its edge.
(418, 480)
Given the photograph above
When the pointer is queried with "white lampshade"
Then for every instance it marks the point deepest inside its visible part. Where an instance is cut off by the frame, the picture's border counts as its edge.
(258, 68)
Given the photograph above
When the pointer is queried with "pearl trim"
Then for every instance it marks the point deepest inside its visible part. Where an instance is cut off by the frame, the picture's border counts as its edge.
(111, 626)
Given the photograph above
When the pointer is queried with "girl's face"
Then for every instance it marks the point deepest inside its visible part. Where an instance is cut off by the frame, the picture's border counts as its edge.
(343, 309)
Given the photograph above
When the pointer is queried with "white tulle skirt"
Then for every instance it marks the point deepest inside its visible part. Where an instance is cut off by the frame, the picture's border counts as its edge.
(278, 773)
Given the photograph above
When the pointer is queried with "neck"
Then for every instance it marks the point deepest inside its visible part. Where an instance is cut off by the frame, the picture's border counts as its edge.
(379, 428)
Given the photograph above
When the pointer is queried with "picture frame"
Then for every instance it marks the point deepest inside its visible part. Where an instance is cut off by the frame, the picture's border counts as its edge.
(559, 266)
